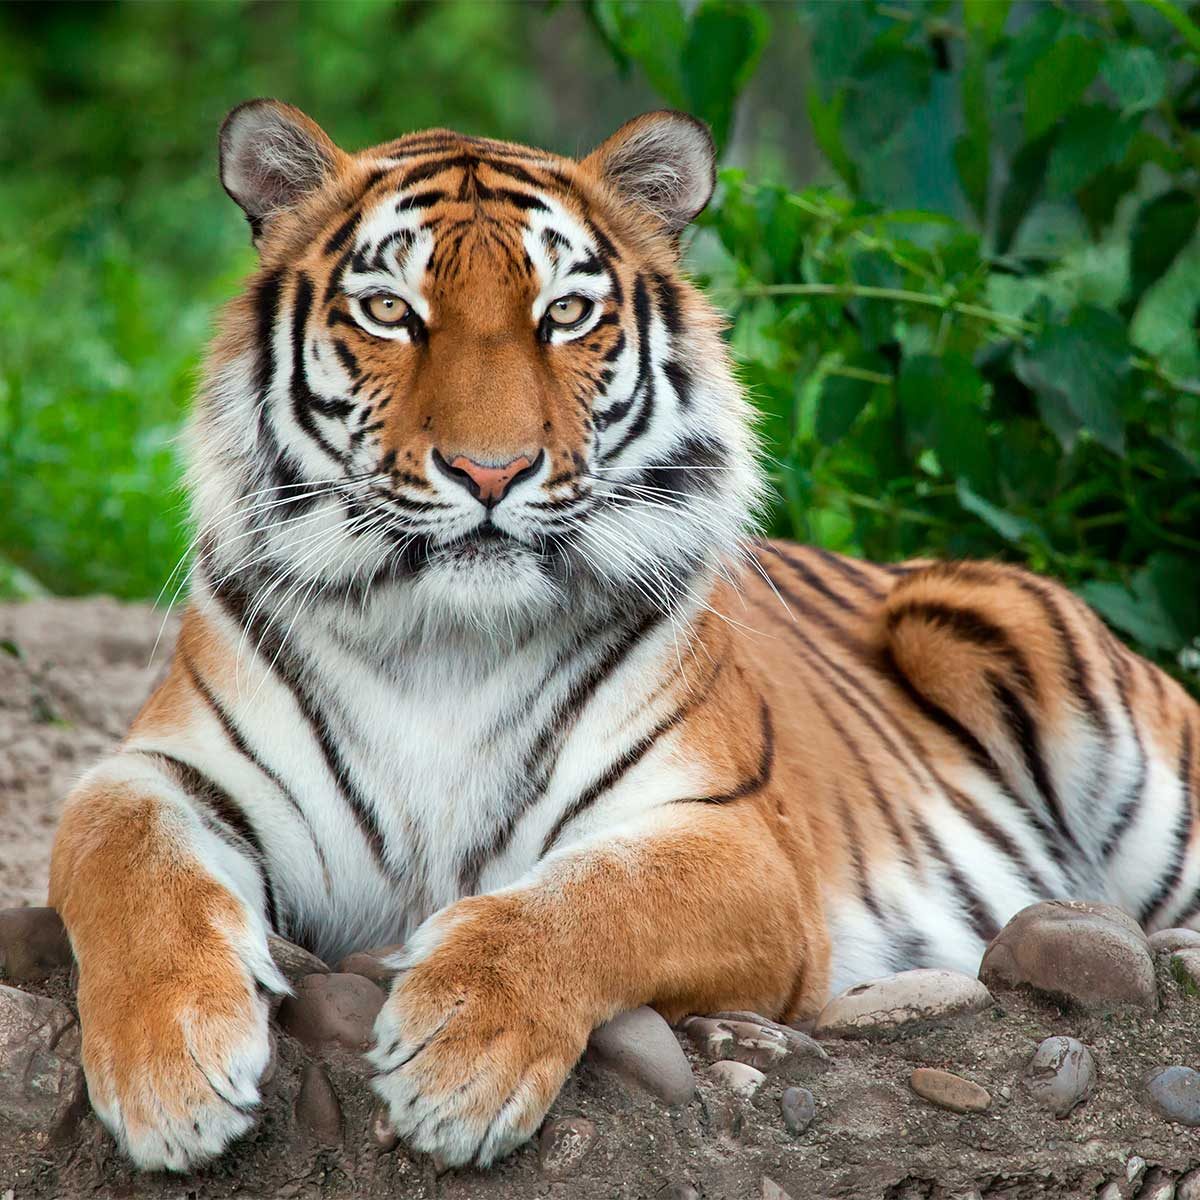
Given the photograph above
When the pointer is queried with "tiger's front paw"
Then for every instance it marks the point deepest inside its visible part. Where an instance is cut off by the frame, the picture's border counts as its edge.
(477, 1036)
(173, 1063)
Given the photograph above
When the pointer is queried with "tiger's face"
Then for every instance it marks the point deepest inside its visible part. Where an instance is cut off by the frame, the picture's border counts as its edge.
(471, 370)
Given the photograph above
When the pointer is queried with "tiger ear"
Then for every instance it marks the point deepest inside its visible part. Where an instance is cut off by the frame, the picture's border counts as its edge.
(272, 156)
(663, 162)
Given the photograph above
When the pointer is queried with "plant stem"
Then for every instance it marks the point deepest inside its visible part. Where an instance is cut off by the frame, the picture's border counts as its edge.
(862, 291)
(1191, 34)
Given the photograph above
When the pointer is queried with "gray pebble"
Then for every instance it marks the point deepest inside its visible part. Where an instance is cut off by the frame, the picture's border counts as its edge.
(293, 961)
(371, 964)
(332, 1010)
(1175, 1093)
(382, 1129)
(1188, 1187)
(1168, 940)
(1092, 955)
(742, 1079)
(948, 1090)
(1187, 962)
(565, 1144)
(1060, 1074)
(760, 1043)
(798, 1108)
(639, 1046)
(1158, 1185)
(907, 1000)
(317, 1110)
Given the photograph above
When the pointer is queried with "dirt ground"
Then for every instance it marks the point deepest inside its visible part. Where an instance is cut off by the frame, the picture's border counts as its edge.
(72, 674)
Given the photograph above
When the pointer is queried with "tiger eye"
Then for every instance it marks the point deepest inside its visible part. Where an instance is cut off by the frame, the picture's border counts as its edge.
(386, 309)
(569, 310)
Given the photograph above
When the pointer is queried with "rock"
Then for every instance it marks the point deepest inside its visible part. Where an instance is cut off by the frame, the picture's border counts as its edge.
(1158, 1185)
(760, 1042)
(41, 1081)
(1188, 1187)
(742, 1079)
(1175, 1093)
(294, 961)
(332, 1009)
(33, 944)
(674, 1191)
(1166, 940)
(1125, 1185)
(1060, 1074)
(772, 1191)
(370, 964)
(317, 1110)
(1091, 955)
(798, 1108)
(382, 1129)
(896, 1002)
(949, 1091)
(639, 1046)
(565, 1144)
(1185, 965)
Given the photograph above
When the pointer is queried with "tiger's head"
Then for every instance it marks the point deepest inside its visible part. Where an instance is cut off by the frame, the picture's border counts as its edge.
(470, 370)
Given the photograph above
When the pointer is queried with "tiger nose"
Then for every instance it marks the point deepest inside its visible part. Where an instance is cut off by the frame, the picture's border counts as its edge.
(487, 482)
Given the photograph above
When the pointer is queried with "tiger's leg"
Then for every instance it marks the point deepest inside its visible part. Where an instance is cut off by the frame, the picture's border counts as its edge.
(166, 921)
(1099, 746)
(695, 908)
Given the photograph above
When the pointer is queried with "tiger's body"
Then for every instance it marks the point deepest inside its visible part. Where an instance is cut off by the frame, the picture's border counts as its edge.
(477, 658)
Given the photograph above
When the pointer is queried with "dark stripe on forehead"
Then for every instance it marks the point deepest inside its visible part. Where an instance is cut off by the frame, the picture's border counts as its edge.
(341, 235)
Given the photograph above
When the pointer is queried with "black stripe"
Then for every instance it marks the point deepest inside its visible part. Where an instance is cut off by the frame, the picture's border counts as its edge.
(341, 235)
(272, 651)
(762, 774)
(304, 401)
(238, 739)
(266, 308)
(791, 556)
(1128, 808)
(970, 626)
(208, 794)
(1024, 732)
(831, 671)
(680, 379)
(645, 379)
(1153, 907)
(861, 876)
(346, 355)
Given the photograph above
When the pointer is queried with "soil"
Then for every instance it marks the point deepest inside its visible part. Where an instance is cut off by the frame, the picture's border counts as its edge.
(71, 675)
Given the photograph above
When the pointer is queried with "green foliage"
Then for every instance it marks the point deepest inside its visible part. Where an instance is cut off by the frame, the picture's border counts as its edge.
(980, 339)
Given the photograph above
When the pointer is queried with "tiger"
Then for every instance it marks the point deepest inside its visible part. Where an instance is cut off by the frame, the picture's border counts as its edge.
(483, 655)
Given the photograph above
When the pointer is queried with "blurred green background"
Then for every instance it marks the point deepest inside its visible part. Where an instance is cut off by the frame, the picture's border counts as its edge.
(957, 241)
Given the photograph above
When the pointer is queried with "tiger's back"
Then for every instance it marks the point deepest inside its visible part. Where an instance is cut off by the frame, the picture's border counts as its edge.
(966, 738)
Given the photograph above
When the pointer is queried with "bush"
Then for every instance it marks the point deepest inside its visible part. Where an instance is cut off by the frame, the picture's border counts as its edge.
(981, 338)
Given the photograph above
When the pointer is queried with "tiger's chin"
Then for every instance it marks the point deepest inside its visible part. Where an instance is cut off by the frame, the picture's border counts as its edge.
(487, 582)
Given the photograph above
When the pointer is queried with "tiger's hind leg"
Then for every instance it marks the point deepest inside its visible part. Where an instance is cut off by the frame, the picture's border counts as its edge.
(1097, 745)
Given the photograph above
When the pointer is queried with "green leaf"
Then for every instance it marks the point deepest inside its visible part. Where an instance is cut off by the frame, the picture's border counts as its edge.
(826, 120)
(653, 36)
(1159, 605)
(973, 150)
(1082, 370)
(1136, 76)
(1010, 526)
(1057, 81)
(1161, 229)
(724, 41)
(843, 398)
(1026, 177)
(942, 401)
(985, 18)
(1091, 139)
